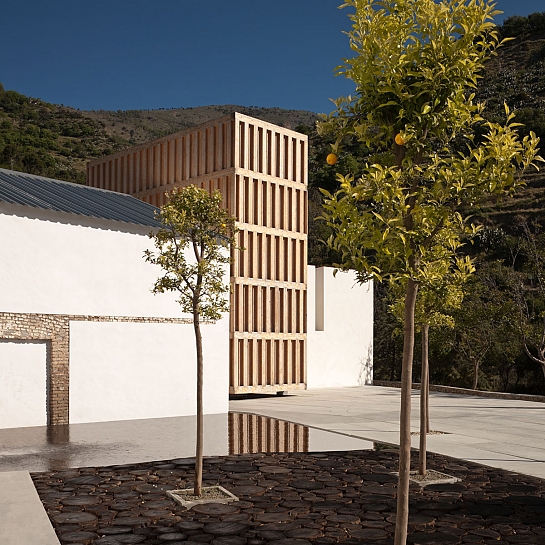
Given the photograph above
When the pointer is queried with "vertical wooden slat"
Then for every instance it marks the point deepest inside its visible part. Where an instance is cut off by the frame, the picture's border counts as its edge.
(107, 175)
(279, 155)
(265, 200)
(164, 170)
(294, 243)
(274, 206)
(260, 272)
(257, 198)
(261, 150)
(250, 152)
(261, 363)
(295, 160)
(202, 153)
(279, 367)
(255, 363)
(116, 171)
(170, 159)
(286, 250)
(279, 258)
(248, 200)
(269, 152)
(153, 166)
(230, 145)
(288, 157)
(209, 150)
(273, 376)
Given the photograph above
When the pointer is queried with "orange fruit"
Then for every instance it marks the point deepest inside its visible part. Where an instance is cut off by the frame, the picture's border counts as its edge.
(331, 159)
(399, 139)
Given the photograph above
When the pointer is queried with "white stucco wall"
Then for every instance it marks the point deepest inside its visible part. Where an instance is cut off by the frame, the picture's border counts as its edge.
(339, 330)
(68, 264)
(22, 384)
(124, 371)
(58, 263)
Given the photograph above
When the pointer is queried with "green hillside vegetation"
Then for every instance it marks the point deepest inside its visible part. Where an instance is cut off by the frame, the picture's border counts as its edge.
(139, 126)
(57, 141)
(517, 77)
(49, 140)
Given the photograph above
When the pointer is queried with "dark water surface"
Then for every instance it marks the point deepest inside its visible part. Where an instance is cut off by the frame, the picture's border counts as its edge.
(130, 441)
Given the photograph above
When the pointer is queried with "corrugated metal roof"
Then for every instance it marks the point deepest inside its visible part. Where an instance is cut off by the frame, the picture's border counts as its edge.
(49, 194)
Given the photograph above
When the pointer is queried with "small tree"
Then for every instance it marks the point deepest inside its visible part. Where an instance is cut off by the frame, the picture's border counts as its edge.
(416, 62)
(433, 303)
(529, 294)
(192, 248)
(486, 324)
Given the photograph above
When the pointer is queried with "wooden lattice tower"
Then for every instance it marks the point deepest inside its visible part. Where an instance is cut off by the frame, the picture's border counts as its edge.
(261, 172)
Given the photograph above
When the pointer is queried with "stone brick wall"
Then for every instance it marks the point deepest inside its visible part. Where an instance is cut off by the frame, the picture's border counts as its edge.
(54, 329)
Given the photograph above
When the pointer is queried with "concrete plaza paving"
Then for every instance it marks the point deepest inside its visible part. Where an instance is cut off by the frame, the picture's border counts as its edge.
(504, 433)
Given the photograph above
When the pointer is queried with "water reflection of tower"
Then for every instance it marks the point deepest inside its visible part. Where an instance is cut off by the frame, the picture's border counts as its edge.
(251, 433)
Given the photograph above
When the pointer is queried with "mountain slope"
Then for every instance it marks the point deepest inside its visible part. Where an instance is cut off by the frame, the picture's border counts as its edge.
(139, 126)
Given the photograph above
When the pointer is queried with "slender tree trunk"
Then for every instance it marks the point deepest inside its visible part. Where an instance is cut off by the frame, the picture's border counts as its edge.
(199, 443)
(402, 513)
(475, 373)
(428, 428)
(428, 397)
(424, 419)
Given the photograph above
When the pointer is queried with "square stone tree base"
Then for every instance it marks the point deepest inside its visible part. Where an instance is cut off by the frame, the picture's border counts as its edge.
(432, 477)
(209, 494)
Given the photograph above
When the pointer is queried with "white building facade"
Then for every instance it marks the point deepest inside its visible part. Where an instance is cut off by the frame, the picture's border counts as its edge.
(83, 339)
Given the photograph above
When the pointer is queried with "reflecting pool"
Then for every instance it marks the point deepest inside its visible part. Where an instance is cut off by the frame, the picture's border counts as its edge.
(130, 441)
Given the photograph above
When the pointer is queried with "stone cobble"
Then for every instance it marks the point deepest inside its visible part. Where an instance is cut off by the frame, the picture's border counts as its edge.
(292, 499)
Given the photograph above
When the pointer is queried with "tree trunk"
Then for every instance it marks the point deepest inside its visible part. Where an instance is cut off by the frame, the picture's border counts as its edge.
(199, 442)
(424, 382)
(402, 513)
(475, 373)
(428, 400)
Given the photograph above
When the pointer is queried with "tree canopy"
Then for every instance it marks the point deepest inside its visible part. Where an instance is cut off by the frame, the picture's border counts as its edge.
(415, 67)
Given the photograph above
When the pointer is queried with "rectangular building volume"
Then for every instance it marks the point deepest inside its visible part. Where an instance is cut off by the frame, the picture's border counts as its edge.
(261, 171)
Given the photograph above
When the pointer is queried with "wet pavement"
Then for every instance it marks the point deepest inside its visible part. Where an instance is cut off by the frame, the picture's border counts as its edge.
(131, 441)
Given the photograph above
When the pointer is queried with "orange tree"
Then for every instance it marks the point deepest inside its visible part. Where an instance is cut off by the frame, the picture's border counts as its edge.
(192, 249)
(415, 64)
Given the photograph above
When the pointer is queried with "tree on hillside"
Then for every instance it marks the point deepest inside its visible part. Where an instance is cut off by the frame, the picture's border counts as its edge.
(192, 249)
(529, 291)
(415, 61)
(485, 317)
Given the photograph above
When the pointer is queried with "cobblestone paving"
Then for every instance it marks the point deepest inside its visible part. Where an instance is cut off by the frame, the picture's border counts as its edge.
(292, 499)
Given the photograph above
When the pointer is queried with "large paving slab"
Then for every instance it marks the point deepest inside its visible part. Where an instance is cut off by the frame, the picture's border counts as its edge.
(501, 433)
(23, 520)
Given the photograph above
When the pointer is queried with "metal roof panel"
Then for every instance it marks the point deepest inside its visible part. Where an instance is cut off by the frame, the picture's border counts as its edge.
(49, 194)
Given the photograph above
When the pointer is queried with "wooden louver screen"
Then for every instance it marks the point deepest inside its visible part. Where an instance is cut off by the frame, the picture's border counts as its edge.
(261, 171)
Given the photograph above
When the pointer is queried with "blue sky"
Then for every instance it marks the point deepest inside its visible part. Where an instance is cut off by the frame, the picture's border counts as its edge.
(136, 54)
